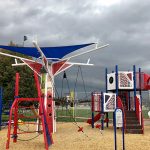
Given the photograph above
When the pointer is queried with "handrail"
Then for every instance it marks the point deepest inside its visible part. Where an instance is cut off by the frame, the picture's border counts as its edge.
(137, 110)
(120, 105)
(139, 113)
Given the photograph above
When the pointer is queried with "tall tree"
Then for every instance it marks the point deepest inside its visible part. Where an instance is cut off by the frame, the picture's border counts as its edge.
(7, 77)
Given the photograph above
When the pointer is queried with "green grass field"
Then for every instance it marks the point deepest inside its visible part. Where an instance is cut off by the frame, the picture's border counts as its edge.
(67, 116)
(83, 113)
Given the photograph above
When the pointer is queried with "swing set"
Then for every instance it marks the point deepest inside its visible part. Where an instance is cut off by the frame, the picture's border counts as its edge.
(69, 99)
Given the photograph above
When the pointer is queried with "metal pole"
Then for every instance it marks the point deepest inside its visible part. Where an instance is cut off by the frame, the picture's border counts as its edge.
(16, 108)
(92, 110)
(116, 76)
(106, 72)
(123, 143)
(102, 112)
(134, 79)
(115, 132)
(107, 116)
(115, 136)
(140, 91)
(140, 85)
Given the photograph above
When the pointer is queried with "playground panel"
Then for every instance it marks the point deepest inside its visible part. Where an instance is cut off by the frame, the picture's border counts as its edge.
(109, 102)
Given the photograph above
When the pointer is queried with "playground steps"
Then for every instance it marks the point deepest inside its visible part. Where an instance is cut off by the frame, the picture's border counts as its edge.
(132, 124)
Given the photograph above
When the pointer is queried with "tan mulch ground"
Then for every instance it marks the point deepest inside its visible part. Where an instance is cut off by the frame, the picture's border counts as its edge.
(67, 138)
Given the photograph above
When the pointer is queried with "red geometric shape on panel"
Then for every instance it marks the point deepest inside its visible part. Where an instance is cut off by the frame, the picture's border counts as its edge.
(130, 76)
(64, 67)
(35, 66)
(146, 81)
(57, 66)
(146, 77)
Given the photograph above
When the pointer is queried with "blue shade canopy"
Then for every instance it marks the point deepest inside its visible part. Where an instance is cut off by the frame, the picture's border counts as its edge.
(49, 52)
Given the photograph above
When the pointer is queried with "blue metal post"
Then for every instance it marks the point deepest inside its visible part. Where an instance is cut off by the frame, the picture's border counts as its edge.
(123, 143)
(92, 111)
(116, 81)
(106, 72)
(134, 79)
(102, 111)
(116, 78)
(115, 132)
(1, 106)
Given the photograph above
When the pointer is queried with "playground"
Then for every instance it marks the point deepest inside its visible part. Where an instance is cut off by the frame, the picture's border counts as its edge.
(67, 138)
(74, 75)
(110, 119)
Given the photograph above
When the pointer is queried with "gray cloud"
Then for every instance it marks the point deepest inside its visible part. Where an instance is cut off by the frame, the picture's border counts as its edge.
(124, 25)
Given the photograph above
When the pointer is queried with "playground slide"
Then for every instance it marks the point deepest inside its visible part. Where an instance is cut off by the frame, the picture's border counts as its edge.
(96, 118)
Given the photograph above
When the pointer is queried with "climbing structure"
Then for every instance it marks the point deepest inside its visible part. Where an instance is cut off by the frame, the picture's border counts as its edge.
(15, 116)
(123, 90)
(128, 86)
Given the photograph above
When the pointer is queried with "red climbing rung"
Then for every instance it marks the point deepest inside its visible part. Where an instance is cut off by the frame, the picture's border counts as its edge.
(28, 99)
(27, 132)
(21, 107)
(21, 116)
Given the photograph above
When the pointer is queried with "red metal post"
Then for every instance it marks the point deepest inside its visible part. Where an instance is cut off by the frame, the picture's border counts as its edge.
(16, 108)
(9, 124)
(50, 111)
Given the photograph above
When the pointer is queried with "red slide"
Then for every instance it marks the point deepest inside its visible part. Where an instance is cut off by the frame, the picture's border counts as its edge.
(96, 118)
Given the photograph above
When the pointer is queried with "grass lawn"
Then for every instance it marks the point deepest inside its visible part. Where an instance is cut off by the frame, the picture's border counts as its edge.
(83, 113)
(66, 115)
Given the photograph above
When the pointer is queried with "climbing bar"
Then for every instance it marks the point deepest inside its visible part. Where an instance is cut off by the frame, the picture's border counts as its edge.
(28, 99)
(21, 116)
(25, 107)
(28, 132)
(34, 123)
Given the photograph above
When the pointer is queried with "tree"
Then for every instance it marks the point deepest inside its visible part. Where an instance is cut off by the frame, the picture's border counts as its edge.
(7, 77)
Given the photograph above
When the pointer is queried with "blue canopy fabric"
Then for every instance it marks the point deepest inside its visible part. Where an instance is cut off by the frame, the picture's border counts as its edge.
(49, 52)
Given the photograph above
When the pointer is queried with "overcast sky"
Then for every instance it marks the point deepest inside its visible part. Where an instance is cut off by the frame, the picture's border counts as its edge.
(124, 24)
